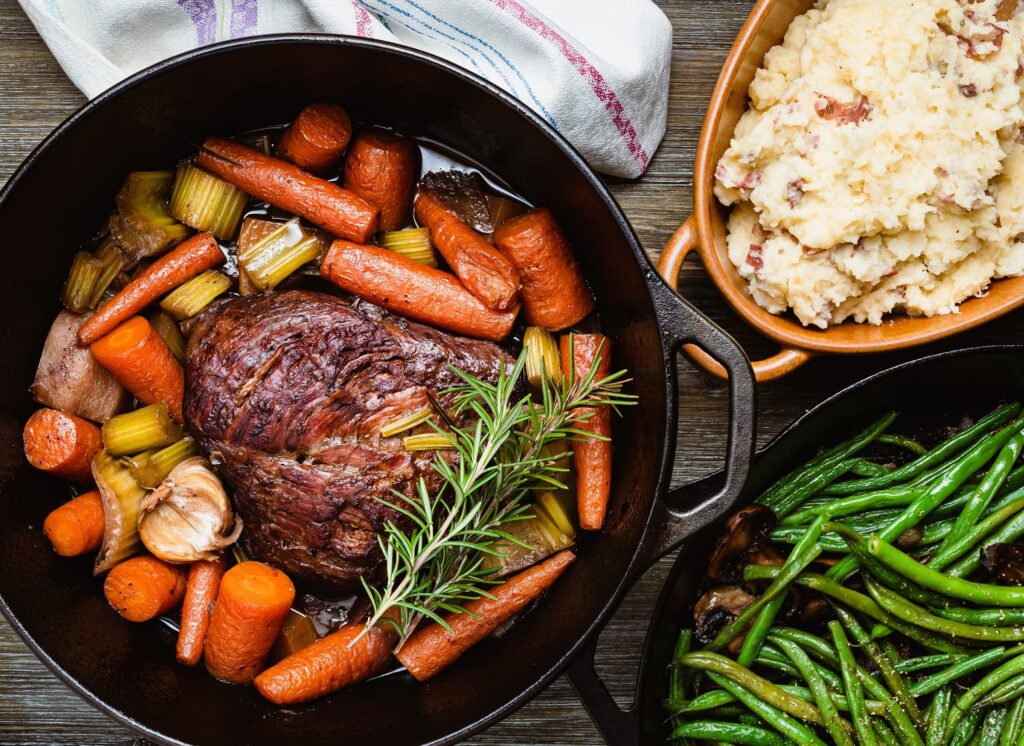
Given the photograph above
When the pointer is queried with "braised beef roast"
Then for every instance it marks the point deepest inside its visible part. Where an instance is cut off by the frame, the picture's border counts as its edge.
(287, 393)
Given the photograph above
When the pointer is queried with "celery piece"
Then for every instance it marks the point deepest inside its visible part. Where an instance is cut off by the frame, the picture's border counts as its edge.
(85, 269)
(185, 301)
(427, 442)
(275, 256)
(114, 262)
(406, 422)
(150, 468)
(542, 358)
(413, 243)
(556, 506)
(121, 496)
(145, 428)
(142, 226)
(206, 202)
(170, 333)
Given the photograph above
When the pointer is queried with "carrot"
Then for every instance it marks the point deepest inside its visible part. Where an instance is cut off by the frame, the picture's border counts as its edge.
(592, 456)
(204, 579)
(143, 588)
(555, 295)
(62, 444)
(483, 270)
(143, 363)
(185, 261)
(434, 648)
(413, 290)
(317, 137)
(381, 168)
(329, 664)
(286, 186)
(253, 602)
(77, 526)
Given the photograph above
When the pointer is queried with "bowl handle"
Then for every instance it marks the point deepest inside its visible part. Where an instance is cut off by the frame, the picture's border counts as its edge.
(682, 242)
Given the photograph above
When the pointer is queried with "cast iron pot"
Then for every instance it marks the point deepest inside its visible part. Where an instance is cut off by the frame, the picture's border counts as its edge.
(930, 393)
(64, 191)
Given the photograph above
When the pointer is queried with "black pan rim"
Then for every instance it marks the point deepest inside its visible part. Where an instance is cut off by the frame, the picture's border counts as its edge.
(66, 128)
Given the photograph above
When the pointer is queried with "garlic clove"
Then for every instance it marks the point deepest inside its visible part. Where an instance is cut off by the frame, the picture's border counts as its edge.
(189, 516)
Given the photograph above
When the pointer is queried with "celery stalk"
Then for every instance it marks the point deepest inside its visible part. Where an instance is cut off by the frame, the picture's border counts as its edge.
(185, 301)
(206, 202)
(142, 226)
(413, 243)
(427, 442)
(274, 257)
(85, 269)
(114, 262)
(556, 509)
(121, 496)
(542, 358)
(407, 422)
(170, 333)
(150, 468)
(145, 428)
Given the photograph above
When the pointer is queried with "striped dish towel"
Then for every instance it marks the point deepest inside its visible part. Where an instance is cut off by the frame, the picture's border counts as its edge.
(597, 70)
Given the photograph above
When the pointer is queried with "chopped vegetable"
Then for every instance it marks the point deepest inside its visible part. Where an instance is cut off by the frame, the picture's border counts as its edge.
(427, 442)
(145, 428)
(143, 588)
(406, 422)
(62, 444)
(140, 360)
(150, 468)
(253, 603)
(317, 138)
(189, 299)
(170, 333)
(85, 270)
(533, 539)
(557, 507)
(381, 167)
(207, 203)
(143, 227)
(297, 632)
(188, 517)
(274, 257)
(201, 590)
(461, 192)
(114, 263)
(76, 527)
(196, 255)
(542, 360)
(413, 243)
(122, 496)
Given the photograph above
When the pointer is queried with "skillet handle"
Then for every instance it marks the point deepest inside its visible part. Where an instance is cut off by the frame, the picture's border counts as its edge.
(679, 246)
(686, 509)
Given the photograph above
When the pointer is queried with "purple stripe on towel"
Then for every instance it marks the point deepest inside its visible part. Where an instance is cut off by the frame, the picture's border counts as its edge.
(364, 26)
(243, 18)
(203, 14)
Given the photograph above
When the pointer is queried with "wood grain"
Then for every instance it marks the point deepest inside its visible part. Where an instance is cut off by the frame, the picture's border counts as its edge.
(35, 96)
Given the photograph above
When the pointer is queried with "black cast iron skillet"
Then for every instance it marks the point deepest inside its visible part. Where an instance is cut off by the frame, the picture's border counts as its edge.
(64, 191)
(930, 393)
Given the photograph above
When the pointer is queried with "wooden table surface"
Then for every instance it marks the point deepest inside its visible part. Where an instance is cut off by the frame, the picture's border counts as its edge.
(35, 96)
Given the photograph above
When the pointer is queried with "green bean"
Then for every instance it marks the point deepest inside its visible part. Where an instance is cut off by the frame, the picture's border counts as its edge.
(983, 594)
(759, 630)
(1010, 531)
(837, 728)
(925, 662)
(1005, 692)
(992, 726)
(956, 672)
(937, 717)
(895, 713)
(986, 491)
(991, 617)
(937, 455)
(776, 665)
(802, 555)
(911, 613)
(843, 506)
(719, 697)
(776, 717)
(902, 441)
(817, 646)
(884, 733)
(709, 730)
(1013, 726)
(824, 477)
(863, 467)
(965, 729)
(854, 692)
(990, 681)
(675, 673)
(832, 679)
(949, 553)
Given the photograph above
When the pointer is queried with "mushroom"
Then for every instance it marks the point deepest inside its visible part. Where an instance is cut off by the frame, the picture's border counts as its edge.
(718, 607)
(1005, 562)
(745, 528)
(188, 517)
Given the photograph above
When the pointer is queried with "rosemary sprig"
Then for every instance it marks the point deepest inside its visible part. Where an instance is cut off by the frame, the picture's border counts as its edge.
(437, 566)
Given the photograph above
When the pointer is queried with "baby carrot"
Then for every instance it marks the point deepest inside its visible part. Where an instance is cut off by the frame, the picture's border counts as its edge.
(329, 664)
(592, 456)
(142, 362)
(433, 648)
(381, 167)
(143, 588)
(200, 594)
(253, 602)
(316, 138)
(62, 444)
(76, 527)
(185, 261)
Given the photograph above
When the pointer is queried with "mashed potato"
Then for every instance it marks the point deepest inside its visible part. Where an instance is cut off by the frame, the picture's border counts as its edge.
(878, 168)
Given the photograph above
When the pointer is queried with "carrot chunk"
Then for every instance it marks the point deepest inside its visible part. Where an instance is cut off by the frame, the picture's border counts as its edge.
(592, 456)
(434, 648)
(143, 363)
(143, 588)
(317, 138)
(329, 664)
(204, 579)
(76, 527)
(62, 444)
(253, 602)
(185, 261)
(381, 168)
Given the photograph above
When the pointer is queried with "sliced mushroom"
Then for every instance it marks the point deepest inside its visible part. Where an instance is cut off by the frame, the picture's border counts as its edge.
(745, 528)
(1005, 562)
(717, 608)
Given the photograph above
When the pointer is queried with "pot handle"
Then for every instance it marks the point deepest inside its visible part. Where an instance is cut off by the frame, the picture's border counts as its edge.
(679, 246)
(684, 510)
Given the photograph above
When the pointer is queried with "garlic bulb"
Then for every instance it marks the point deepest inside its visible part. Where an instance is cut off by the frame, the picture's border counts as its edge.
(188, 517)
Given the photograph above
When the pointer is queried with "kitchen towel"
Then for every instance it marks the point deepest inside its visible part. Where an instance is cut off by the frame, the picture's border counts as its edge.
(597, 70)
